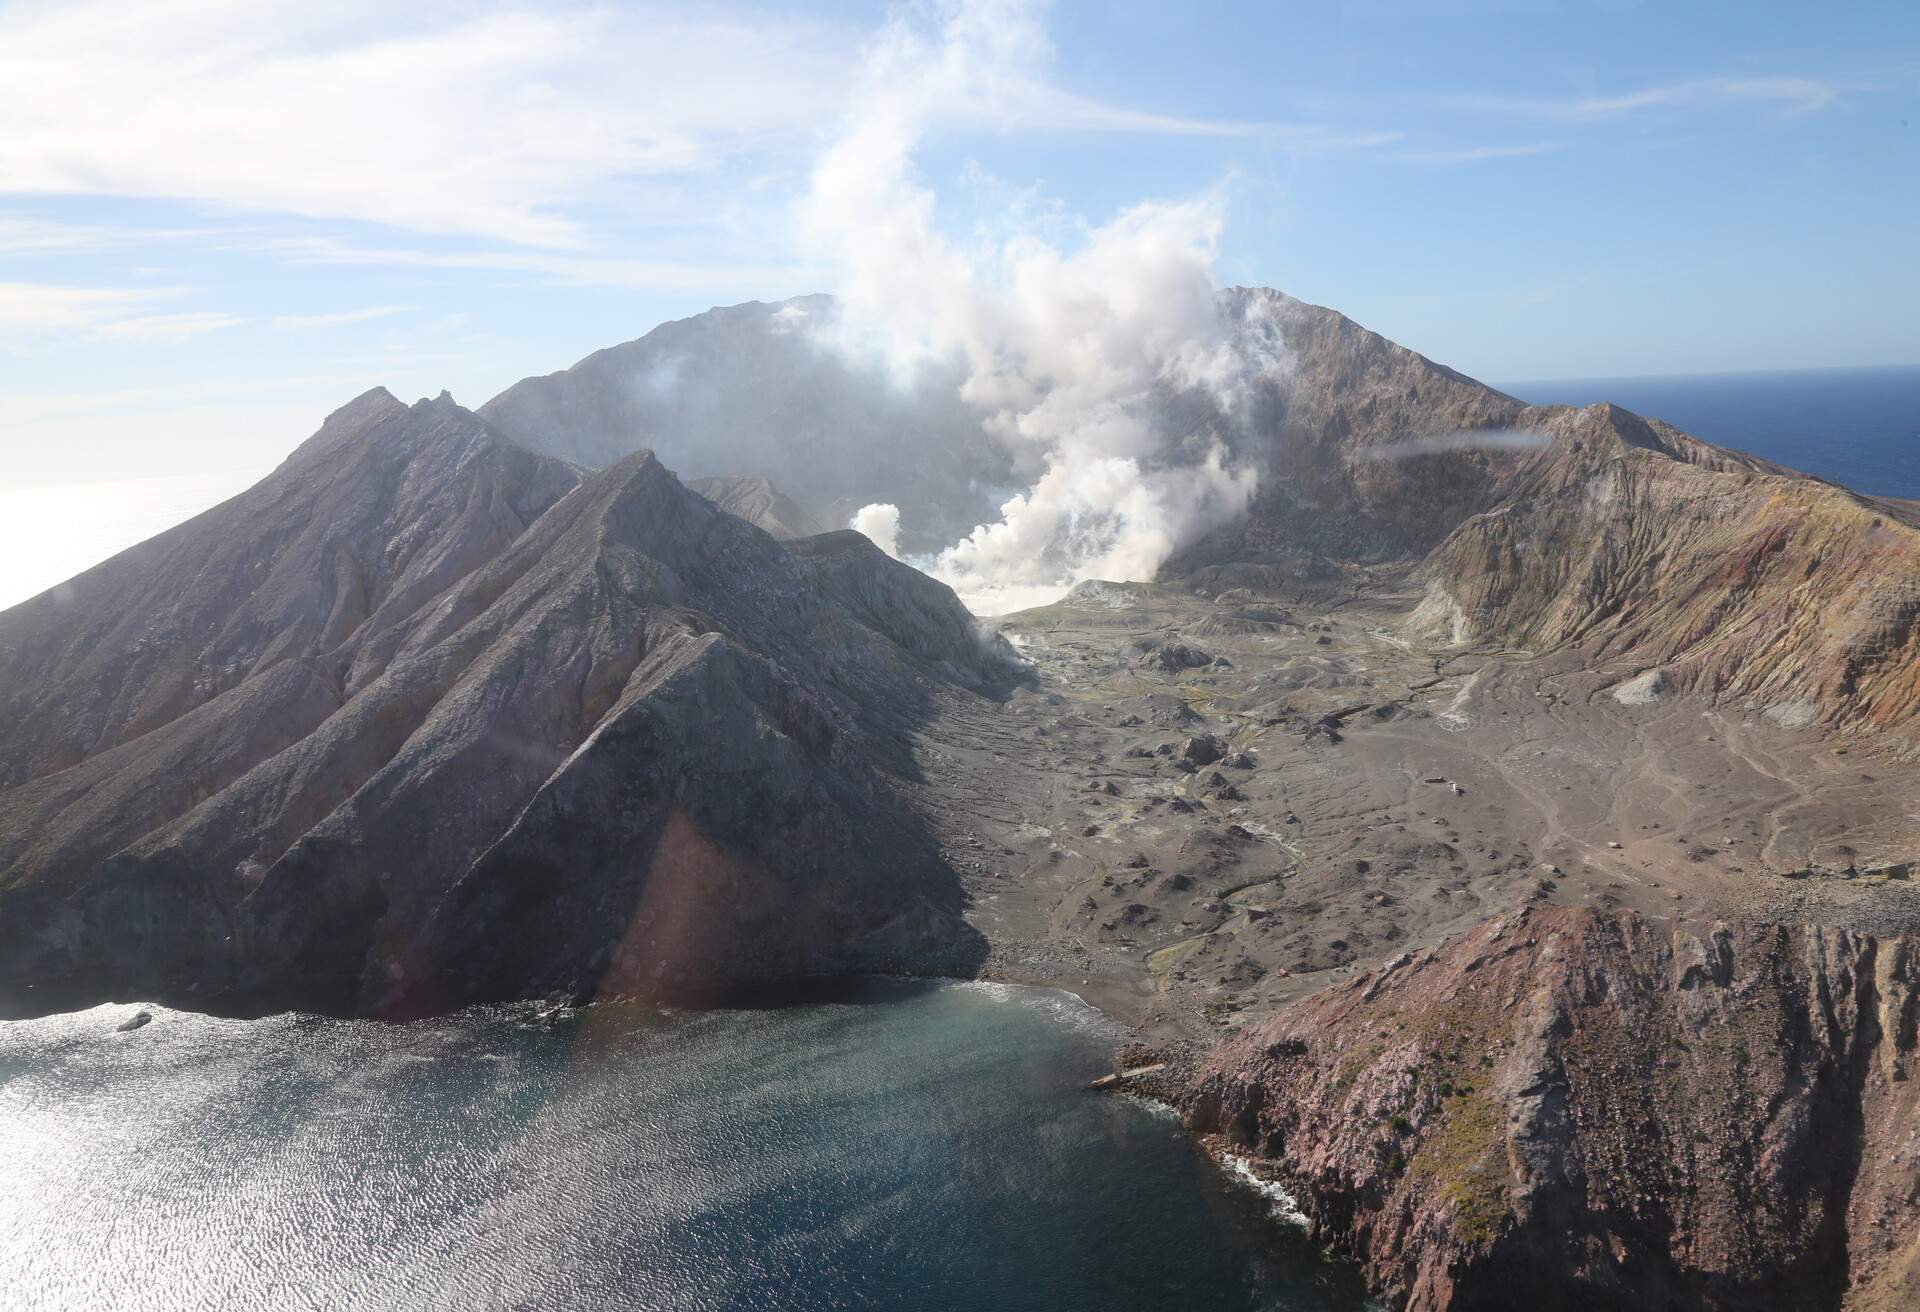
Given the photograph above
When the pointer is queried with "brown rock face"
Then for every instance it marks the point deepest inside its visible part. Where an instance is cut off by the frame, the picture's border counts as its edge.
(1574, 1110)
(1629, 538)
(1545, 527)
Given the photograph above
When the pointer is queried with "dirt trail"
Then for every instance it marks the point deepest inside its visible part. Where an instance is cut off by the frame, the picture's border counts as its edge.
(1108, 864)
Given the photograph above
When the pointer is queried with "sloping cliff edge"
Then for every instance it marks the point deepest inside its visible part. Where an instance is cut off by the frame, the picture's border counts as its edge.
(1567, 1109)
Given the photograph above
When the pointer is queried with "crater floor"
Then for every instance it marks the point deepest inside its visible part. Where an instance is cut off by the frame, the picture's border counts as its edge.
(1204, 807)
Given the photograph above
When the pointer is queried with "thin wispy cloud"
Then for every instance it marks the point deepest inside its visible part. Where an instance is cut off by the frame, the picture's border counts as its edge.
(1473, 439)
(1797, 94)
(337, 319)
(23, 235)
(1036, 106)
(30, 307)
(1793, 95)
(167, 327)
(31, 310)
(564, 267)
(516, 125)
(1478, 154)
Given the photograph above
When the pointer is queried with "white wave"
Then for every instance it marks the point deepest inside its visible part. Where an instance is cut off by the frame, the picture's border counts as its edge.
(1066, 1007)
(1284, 1205)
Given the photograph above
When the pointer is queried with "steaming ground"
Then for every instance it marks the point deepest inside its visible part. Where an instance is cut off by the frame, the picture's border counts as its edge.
(1463, 785)
(1074, 353)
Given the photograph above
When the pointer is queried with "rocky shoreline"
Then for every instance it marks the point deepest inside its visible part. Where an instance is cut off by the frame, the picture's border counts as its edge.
(1566, 1109)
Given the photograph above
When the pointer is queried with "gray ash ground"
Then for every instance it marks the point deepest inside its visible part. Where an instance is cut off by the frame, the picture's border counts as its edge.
(1308, 785)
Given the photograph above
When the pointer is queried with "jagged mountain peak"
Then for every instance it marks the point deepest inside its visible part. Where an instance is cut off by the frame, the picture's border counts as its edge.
(377, 513)
(1330, 337)
(300, 721)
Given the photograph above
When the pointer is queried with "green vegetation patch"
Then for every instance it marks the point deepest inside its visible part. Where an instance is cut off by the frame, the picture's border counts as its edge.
(1464, 1157)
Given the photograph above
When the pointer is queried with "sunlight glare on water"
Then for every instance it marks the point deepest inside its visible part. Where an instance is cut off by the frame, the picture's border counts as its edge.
(894, 1145)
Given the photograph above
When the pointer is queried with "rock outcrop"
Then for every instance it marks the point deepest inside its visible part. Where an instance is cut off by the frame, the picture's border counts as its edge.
(425, 718)
(1368, 451)
(1743, 580)
(1566, 1109)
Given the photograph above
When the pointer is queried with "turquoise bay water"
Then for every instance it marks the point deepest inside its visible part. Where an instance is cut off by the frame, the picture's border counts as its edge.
(895, 1145)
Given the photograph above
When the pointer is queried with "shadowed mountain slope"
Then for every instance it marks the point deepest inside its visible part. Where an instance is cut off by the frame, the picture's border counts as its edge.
(634, 698)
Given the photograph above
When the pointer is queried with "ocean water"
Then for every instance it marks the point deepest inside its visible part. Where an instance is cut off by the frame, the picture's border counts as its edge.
(893, 1145)
(1856, 427)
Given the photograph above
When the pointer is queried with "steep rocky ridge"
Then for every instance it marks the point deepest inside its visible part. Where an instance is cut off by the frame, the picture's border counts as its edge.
(747, 390)
(636, 683)
(1625, 537)
(1544, 527)
(760, 503)
(1569, 1109)
(375, 515)
(1325, 442)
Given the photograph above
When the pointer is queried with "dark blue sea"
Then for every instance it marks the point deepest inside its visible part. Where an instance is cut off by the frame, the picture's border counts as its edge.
(894, 1145)
(1857, 427)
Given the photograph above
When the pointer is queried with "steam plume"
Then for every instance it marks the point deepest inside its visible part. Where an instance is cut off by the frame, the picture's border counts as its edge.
(881, 523)
(1467, 439)
(1074, 356)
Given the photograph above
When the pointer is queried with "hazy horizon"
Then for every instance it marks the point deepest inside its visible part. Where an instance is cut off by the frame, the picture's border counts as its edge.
(217, 221)
(37, 524)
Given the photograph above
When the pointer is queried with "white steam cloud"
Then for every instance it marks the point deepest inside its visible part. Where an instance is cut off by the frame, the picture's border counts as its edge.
(1466, 439)
(1071, 354)
(881, 523)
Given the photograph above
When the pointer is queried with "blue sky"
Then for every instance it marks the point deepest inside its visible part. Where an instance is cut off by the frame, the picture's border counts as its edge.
(219, 220)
